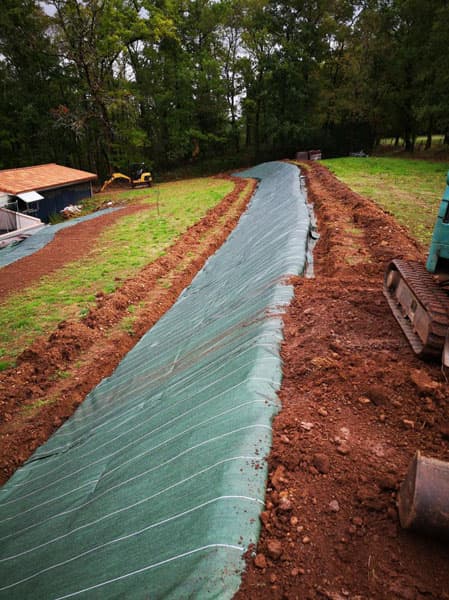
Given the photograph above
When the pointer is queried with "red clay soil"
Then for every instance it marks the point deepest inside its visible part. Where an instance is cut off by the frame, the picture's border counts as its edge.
(88, 350)
(356, 405)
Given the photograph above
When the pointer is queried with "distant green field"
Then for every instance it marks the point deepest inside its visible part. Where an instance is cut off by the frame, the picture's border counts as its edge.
(410, 190)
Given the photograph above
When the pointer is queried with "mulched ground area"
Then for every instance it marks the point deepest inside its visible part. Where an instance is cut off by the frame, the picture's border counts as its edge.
(356, 404)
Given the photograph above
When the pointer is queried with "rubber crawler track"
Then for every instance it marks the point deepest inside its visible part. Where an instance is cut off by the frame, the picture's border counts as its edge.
(434, 301)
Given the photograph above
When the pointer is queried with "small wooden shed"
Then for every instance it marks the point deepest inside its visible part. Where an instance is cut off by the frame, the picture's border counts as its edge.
(44, 190)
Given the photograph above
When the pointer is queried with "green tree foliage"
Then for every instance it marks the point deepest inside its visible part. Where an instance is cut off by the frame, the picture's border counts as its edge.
(386, 74)
(100, 83)
(29, 78)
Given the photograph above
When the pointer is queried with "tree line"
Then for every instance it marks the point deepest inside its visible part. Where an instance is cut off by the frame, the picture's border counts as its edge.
(99, 83)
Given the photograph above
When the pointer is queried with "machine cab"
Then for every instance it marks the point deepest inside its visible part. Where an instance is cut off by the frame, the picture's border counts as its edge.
(136, 170)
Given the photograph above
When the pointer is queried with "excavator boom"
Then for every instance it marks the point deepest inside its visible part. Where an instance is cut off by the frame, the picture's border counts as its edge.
(138, 176)
(115, 177)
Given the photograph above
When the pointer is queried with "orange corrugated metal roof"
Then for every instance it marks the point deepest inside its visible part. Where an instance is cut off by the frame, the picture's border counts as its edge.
(40, 177)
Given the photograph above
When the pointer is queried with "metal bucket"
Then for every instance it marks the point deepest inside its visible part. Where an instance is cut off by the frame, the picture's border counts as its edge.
(423, 499)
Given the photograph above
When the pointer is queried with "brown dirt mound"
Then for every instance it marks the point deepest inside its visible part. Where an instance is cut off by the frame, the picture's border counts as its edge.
(356, 406)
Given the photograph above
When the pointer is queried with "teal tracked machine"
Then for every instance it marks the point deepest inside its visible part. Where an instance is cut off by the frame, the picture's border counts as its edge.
(418, 295)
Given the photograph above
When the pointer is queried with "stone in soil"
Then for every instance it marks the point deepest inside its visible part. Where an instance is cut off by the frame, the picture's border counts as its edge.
(274, 548)
(260, 561)
(321, 462)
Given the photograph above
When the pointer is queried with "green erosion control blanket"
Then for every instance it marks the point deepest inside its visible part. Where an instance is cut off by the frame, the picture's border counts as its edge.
(154, 487)
(44, 236)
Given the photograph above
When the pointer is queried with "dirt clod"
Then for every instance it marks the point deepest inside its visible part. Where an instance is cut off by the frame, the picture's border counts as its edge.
(274, 548)
(260, 561)
(343, 448)
(321, 462)
(423, 382)
(278, 479)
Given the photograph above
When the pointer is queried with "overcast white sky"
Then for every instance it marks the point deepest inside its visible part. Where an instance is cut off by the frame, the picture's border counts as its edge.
(50, 10)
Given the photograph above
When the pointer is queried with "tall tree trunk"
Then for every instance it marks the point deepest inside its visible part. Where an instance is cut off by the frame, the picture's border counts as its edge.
(256, 127)
(446, 137)
(429, 134)
(408, 139)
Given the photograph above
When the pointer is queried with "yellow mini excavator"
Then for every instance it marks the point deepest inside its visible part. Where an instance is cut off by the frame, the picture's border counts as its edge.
(138, 175)
(418, 295)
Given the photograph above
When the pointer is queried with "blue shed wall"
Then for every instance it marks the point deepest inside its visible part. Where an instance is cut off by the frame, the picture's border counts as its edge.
(57, 199)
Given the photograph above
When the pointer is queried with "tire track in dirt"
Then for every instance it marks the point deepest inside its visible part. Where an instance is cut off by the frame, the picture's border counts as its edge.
(356, 406)
(88, 350)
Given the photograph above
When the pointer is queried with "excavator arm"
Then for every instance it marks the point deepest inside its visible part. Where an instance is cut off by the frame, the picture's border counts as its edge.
(115, 177)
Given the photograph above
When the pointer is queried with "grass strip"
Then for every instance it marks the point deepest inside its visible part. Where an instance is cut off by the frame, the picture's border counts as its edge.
(410, 190)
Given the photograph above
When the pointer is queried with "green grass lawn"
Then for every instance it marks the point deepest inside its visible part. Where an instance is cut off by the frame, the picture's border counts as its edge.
(410, 190)
(120, 251)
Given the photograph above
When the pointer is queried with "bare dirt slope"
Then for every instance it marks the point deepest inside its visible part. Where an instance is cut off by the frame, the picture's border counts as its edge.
(356, 406)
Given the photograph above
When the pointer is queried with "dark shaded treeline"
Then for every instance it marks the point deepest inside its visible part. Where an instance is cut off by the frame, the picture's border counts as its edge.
(98, 83)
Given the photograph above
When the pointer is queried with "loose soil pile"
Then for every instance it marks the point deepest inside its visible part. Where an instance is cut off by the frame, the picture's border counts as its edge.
(356, 403)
